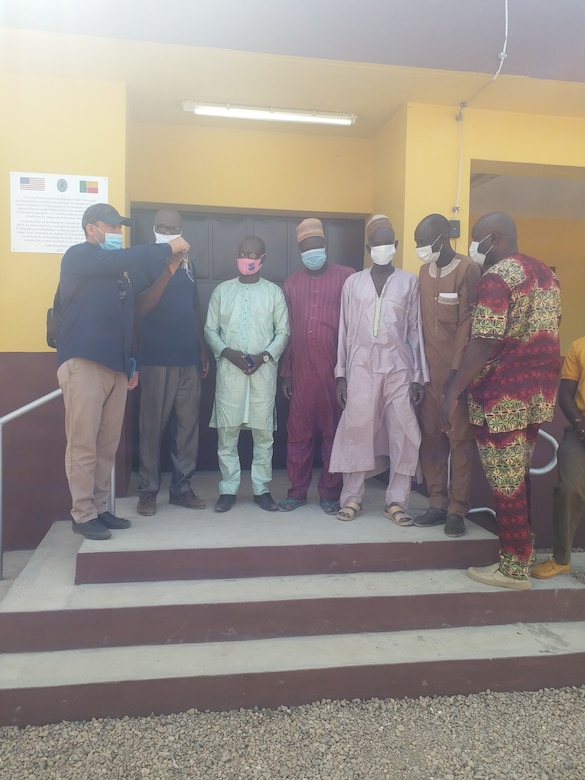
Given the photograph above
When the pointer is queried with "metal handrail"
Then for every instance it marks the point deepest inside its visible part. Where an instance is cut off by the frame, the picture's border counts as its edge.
(553, 461)
(13, 416)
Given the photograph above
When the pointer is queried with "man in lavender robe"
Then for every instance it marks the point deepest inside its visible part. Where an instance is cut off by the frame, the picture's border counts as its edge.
(380, 371)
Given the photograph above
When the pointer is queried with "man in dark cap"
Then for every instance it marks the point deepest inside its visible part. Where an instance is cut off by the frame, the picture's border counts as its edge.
(511, 365)
(95, 361)
(313, 297)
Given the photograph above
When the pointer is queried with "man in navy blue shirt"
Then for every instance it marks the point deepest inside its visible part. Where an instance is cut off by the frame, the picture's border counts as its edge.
(173, 360)
(95, 359)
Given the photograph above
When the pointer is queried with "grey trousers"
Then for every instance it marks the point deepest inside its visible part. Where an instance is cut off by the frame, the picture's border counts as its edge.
(569, 495)
(169, 396)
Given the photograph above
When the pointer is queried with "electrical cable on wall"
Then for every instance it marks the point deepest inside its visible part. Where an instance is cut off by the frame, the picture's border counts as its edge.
(465, 103)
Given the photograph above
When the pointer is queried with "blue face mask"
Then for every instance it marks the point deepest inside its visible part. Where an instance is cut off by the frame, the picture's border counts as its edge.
(111, 240)
(313, 259)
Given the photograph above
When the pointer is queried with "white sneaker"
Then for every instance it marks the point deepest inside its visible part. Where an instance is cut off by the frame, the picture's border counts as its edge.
(491, 575)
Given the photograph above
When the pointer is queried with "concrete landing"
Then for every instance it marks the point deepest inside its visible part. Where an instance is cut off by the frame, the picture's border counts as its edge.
(246, 525)
(184, 544)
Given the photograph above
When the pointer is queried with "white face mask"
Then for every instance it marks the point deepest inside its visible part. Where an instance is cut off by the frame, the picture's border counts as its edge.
(425, 253)
(164, 238)
(382, 255)
(477, 256)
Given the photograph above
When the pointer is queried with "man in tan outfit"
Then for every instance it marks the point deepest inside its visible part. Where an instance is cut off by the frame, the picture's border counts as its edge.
(95, 362)
(447, 292)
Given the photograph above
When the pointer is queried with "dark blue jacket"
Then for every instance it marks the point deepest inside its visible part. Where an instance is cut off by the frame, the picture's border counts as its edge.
(97, 302)
(168, 333)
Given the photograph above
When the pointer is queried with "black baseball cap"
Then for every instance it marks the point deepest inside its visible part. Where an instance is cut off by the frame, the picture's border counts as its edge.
(103, 212)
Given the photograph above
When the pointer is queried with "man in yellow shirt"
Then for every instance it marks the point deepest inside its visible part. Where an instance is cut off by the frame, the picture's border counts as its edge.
(569, 495)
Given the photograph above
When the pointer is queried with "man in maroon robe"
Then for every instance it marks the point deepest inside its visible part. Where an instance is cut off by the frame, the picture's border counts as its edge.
(313, 296)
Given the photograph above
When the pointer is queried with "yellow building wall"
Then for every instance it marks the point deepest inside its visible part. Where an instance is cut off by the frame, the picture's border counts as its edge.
(249, 169)
(524, 138)
(389, 175)
(52, 126)
(410, 169)
(432, 170)
(432, 157)
(559, 242)
(431, 175)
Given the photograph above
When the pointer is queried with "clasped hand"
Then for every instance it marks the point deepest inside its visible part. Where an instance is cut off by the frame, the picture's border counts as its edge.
(240, 360)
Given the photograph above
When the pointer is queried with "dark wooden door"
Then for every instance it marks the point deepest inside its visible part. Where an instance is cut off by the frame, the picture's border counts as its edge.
(214, 238)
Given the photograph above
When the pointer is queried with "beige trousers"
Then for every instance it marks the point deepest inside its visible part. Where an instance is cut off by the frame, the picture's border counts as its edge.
(95, 399)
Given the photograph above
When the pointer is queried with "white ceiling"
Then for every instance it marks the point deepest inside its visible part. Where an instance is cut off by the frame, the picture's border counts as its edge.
(545, 38)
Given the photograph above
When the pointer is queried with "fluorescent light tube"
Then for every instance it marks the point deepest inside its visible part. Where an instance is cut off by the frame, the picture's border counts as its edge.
(268, 114)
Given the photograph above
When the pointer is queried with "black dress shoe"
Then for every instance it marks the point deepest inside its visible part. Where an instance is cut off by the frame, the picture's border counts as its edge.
(225, 502)
(431, 517)
(455, 525)
(93, 529)
(266, 502)
(111, 521)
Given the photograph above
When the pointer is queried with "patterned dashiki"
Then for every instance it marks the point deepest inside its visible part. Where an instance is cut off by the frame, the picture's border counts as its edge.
(518, 303)
(313, 303)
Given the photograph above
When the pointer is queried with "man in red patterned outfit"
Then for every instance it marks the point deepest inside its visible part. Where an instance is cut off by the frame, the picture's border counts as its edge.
(511, 365)
(313, 296)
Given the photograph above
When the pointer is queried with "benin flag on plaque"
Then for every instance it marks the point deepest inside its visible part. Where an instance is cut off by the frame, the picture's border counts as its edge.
(90, 187)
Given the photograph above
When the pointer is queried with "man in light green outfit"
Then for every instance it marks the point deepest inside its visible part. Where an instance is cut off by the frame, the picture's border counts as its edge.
(247, 329)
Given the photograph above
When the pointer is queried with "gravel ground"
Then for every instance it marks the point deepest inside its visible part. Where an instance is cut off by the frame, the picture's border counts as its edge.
(489, 736)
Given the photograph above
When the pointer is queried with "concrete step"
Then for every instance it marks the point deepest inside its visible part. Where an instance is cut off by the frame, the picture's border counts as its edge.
(46, 611)
(182, 544)
(81, 684)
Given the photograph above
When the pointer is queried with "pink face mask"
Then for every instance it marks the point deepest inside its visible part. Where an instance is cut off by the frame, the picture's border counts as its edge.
(247, 267)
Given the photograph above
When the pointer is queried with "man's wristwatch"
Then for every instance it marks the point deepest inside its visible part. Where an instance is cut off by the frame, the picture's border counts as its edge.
(266, 357)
